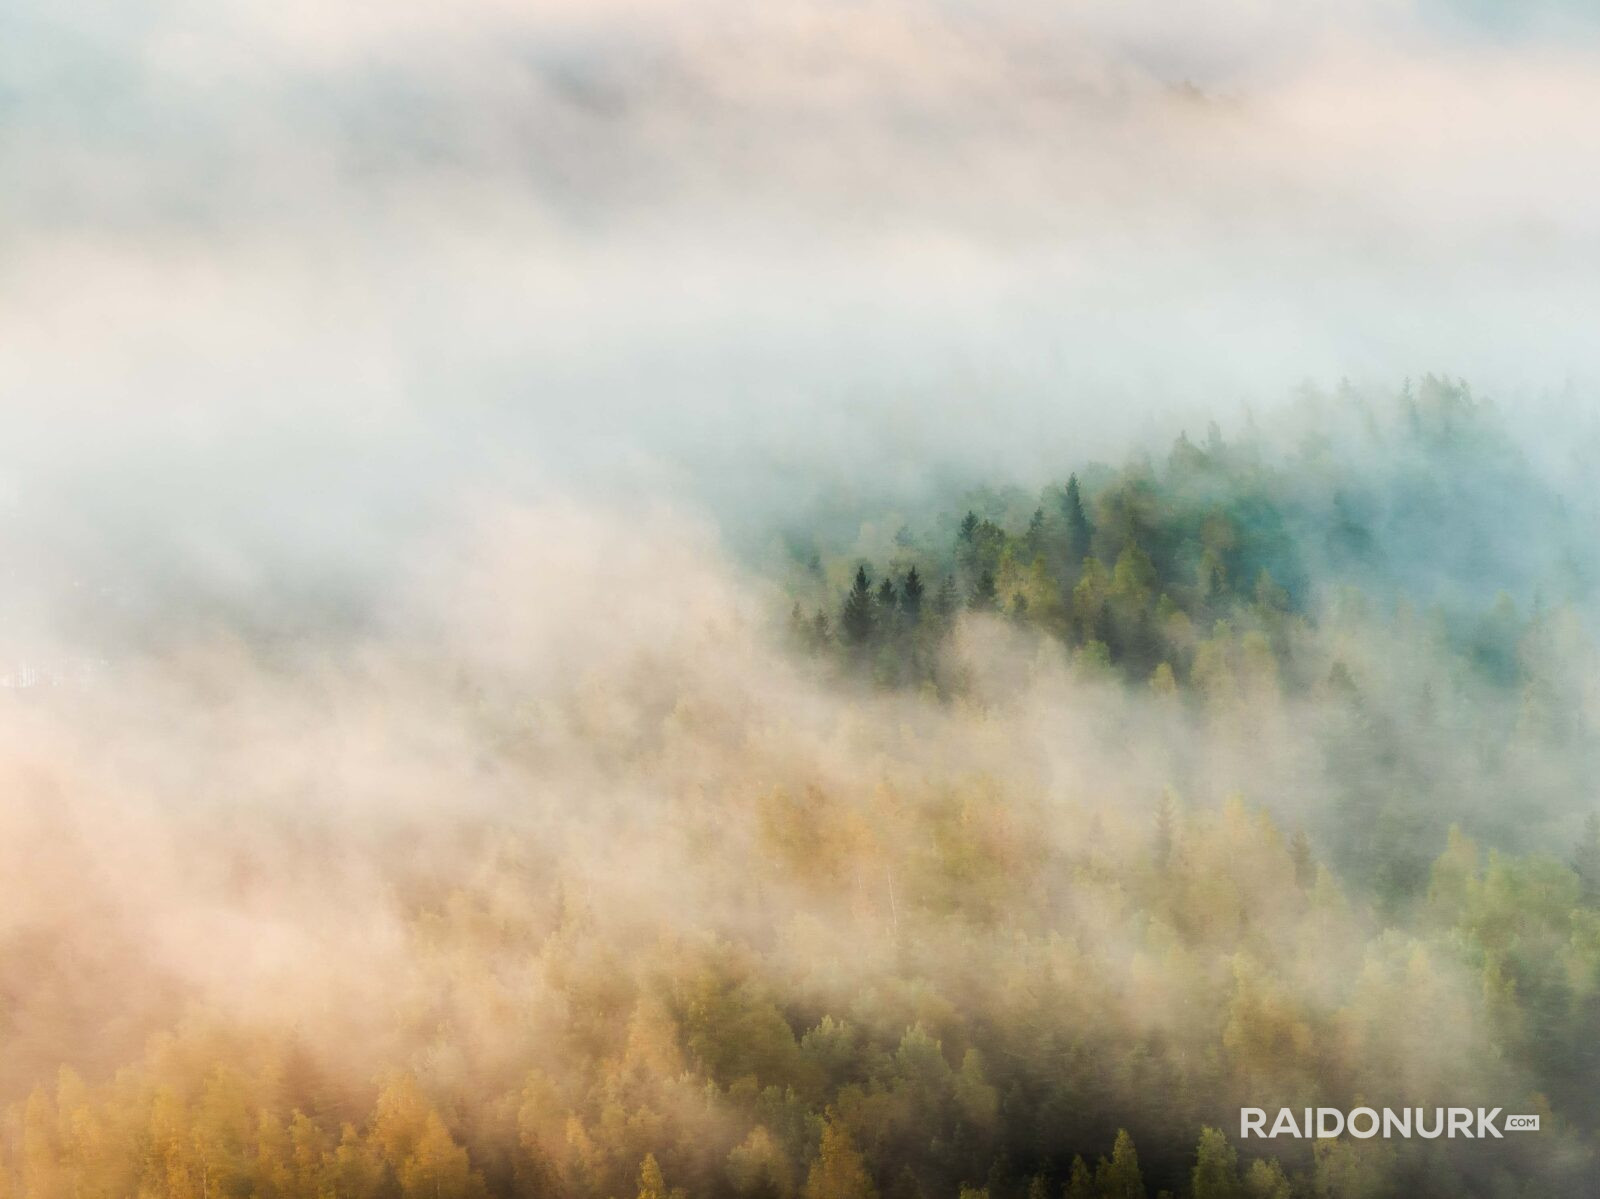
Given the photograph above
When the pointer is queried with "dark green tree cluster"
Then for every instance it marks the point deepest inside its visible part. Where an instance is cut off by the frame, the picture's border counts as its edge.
(1138, 586)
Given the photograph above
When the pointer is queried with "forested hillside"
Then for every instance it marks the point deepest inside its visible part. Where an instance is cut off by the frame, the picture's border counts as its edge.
(1398, 583)
(1050, 832)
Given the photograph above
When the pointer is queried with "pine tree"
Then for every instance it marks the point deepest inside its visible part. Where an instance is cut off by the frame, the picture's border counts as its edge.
(886, 596)
(839, 1171)
(944, 603)
(1119, 1178)
(969, 526)
(651, 1183)
(821, 632)
(1211, 578)
(857, 619)
(1034, 539)
(911, 596)
(1080, 1184)
(1266, 1180)
(1216, 1169)
(1079, 534)
(1133, 578)
(759, 1168)
(437, 1168)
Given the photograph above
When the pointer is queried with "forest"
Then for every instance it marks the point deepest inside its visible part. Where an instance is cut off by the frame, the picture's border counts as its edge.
(1045, 832)
(808, 599)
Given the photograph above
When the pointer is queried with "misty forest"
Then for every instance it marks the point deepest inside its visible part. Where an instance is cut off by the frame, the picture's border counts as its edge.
(1001, 848)
(808, 599)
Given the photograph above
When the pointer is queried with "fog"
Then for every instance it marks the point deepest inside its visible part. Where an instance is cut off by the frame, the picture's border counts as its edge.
(280, 283)
(417, 420)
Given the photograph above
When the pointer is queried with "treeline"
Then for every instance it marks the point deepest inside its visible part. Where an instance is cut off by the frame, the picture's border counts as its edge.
(954, 999)
(234, 1138)
(760, 938)
(1348, 592)
(1161, 592)
(1172, 574)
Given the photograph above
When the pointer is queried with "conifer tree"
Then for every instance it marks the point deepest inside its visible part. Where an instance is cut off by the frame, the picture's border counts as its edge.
(1119, 1178)
(1266, 1180)
(1216, 1169)
(821, 630)
(1080, 1183)
(911, 596)
(437, 1167)
(857, 620)
(1033, 540)
(1079, 532)
(1133, 578)
(839, 1172)
(651, 1183)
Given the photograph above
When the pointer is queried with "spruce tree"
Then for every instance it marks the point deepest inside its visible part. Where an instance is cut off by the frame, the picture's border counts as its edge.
(911, 595)
(856, 620)
(839, 1171)
(1034, 539)
(1078, 531)
(1080, 1183)
(1119, 1178)
(1216, 1168)
(821, 633)
(651, 1184)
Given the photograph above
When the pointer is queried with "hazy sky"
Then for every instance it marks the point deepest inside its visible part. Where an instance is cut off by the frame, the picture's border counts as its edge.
(281, 282)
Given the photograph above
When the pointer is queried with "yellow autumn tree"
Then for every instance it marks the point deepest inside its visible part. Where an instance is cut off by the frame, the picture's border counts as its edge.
(839, 1171)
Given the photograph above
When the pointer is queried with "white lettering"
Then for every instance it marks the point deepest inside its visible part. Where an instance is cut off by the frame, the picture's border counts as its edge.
(1284, 1125)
